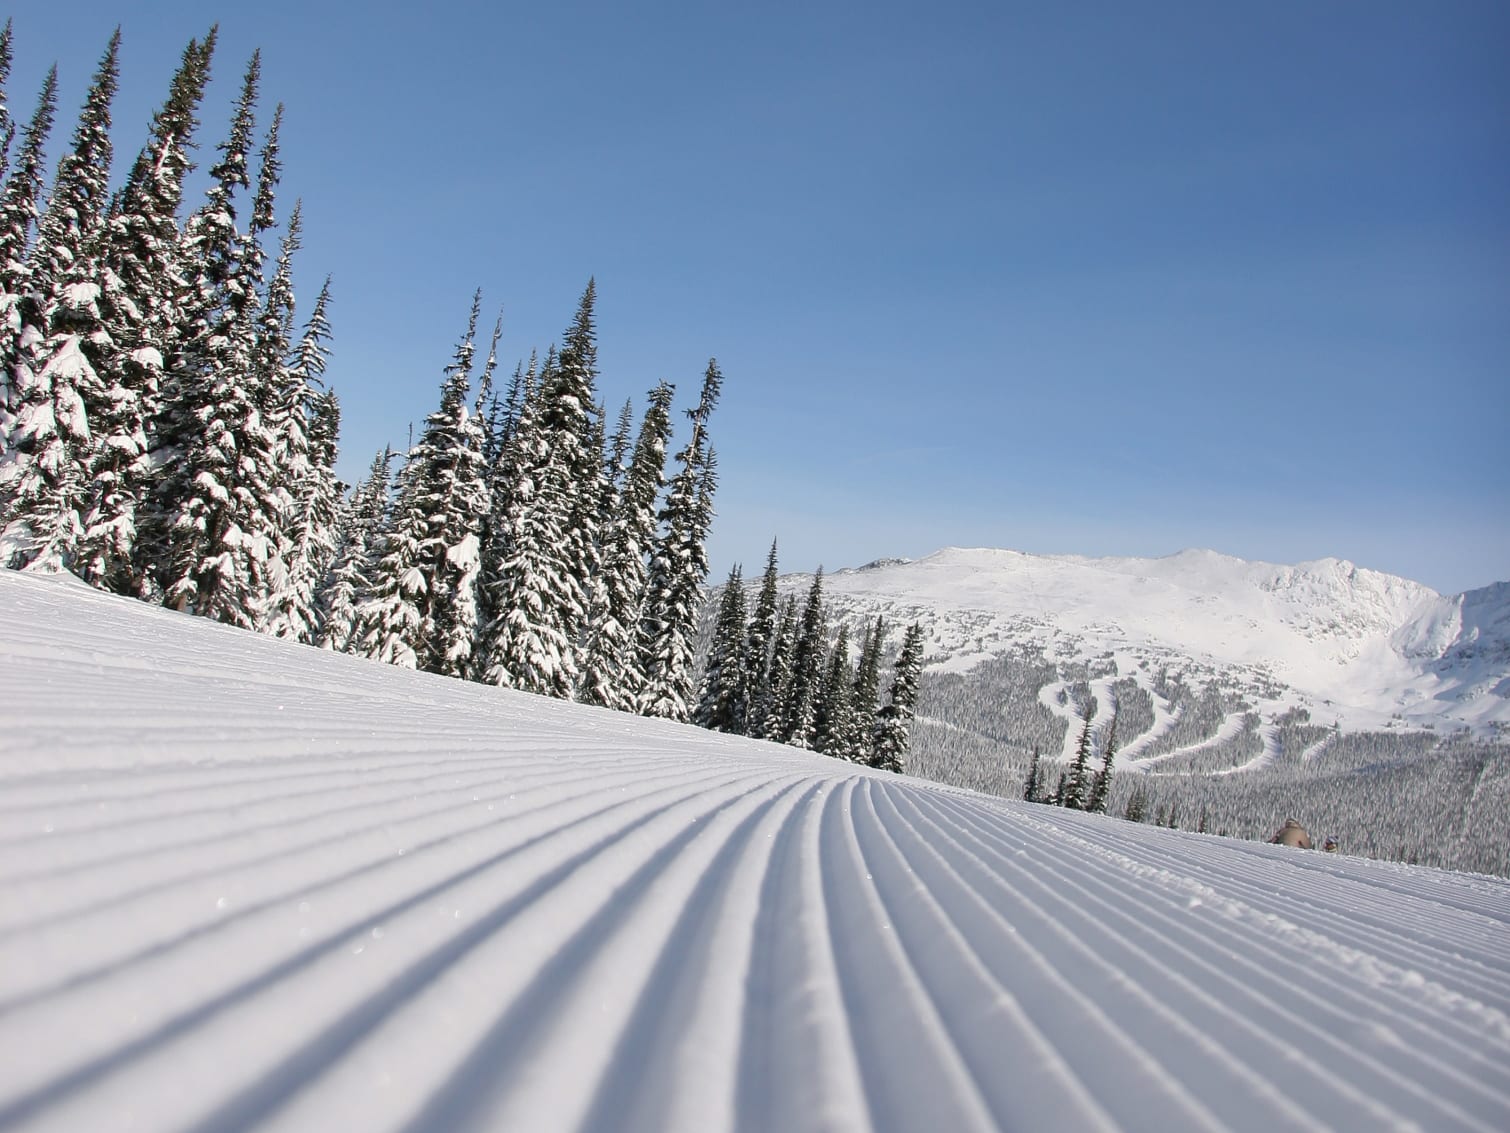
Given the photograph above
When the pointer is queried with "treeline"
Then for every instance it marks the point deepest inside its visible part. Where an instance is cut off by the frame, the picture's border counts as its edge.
(166, 434)
(773, 673)
(524, 549)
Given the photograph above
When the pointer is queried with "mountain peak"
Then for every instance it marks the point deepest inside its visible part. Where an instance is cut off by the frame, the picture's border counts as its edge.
(1374, 647)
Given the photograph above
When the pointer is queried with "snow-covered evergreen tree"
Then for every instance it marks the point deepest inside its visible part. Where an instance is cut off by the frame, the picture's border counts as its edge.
(306, 433)
(1077, 779)
(540, 598)
(894, 725)
(74, 347)
(611, 675)
(616, 465)
(1032, 789)
(757, 695)
(834, 729)
(799, 700)
(218, 503)
(422, 609)
(21, 200)
(779, 682)
(718, 705)
(504, 454)
(678, 568)
(523, 645)
(867, 690)
(140, 306)
(7, 123)
(19, 206)
(1101, 783)
(351, 573)
(42, 480)
(59, 390)
(490, 407)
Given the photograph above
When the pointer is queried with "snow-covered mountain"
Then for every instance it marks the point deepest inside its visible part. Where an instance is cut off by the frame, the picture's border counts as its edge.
(1353, 646)
(246, 884)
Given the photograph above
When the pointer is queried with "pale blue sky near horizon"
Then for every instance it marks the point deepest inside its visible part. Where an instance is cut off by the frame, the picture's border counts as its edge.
(1088, 278)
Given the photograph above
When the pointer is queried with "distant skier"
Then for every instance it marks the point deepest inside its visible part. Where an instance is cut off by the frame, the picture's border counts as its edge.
(1292, 833)
(1330, 845)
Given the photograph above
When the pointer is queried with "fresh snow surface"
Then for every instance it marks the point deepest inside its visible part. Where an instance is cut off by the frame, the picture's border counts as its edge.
(251, 885)
(1354, 646)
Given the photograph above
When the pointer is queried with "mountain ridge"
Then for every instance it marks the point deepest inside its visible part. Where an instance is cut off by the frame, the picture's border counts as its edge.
(1353, 646)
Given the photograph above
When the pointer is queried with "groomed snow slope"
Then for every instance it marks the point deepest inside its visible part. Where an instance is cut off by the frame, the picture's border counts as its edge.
(251, 885)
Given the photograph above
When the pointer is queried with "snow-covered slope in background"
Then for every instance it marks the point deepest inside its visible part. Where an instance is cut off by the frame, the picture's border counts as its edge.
(250, 885)
(1352, 645)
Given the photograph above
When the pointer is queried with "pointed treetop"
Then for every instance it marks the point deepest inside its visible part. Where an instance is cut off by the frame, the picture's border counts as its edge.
(490, 364)
(7, 123)
(579, 347)
(18, 205)
(231, 170)
(460, 371)
(268, 174)
(172, 131)
(310, 362)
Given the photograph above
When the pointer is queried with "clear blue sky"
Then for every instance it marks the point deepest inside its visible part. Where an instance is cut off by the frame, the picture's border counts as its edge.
(1093, 278)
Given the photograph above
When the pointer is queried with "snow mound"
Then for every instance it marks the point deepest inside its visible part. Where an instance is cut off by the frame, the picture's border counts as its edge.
(249, 885)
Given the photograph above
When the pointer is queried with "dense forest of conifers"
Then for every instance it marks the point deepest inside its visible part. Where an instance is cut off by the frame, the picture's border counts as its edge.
(776, 674)
(166, 433)
(1414, 796)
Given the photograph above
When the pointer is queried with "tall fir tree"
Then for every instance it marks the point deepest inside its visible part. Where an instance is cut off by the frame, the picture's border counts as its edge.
(421, 611)
(1101, 783)
(756, 694)
(215, 286)
(779, 680)
(505, 419)
(506, 452)
(867, 689)
(219, 504)
(21, 200)
(1077, 781)
(678, 568)
(141, 308)
(799, 698)
(1032, 790)
(19, 209)
(894, 726)
(7, 123)
(76, 353)
(351, 573)
(61, 392)
(611, 675)
(718, 706)
(616, 465)
(541, 597)
(834, 728)
(307, 454)
(287, 381)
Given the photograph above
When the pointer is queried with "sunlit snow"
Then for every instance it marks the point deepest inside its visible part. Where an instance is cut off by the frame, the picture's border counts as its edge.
(250, 885)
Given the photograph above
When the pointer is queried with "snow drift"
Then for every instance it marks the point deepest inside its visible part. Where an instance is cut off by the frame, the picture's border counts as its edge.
(249, 885)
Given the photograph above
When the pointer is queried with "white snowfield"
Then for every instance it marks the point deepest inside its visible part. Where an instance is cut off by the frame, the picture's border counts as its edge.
(1363, 648)
(250, 885)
